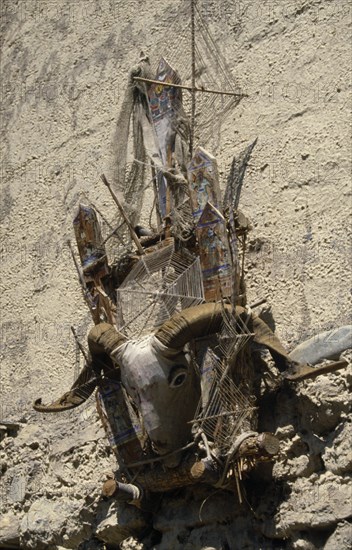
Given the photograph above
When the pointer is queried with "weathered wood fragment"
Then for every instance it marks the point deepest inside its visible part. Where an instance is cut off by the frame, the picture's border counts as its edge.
(214, 253)
(122, 428)
(164, 103)
(125, 492)
(261, 445)
(203, 182)
(94, 263)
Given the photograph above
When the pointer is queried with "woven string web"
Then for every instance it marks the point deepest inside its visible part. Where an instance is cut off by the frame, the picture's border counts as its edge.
(211, 73)
(131, 170)
(161, 284)
(223, 408)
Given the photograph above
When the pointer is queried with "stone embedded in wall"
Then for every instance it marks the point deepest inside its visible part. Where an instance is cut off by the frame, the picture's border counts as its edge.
(53, 522)
(318, 502)
(341, 537)
(337, 455)
(324, 403)
(114, 522)
(9, 530)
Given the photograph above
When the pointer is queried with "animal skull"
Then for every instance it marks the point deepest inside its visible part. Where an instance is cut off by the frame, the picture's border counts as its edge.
(163, 385)
(158, 374)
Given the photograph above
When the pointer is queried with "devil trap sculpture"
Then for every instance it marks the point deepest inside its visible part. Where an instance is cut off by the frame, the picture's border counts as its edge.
(174, 350)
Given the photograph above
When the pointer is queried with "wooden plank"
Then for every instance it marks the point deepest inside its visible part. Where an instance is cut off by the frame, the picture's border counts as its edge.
(203, 182)
(94, 262)
(215, 255)
(123, 432)
(89, 242)
(164, 103)
(236, 270)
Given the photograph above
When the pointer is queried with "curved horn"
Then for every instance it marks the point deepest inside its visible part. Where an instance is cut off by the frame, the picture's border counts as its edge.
(82, 388)
(71, 399)
(104, 338)
(192, 323)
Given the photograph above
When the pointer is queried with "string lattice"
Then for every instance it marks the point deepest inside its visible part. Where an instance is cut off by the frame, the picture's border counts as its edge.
(161, 284)
(223, 408)
(211, 72)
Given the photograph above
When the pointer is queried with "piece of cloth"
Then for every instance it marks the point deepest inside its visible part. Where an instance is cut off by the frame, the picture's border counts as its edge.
(325, 345)
(165, 388)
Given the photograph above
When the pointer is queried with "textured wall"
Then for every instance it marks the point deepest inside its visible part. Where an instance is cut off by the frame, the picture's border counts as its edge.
(64, 68)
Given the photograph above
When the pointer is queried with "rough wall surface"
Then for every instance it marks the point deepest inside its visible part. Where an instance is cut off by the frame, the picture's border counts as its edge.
(63, 72)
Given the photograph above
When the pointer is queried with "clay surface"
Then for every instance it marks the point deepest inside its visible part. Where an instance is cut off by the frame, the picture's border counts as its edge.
(63, 69)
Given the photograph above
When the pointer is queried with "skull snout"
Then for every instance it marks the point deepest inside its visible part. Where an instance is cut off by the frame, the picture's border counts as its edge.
(165, 390)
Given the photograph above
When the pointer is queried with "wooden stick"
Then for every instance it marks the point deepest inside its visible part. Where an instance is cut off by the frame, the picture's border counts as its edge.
(114, 232)
(258, 303)
(155, 186)
(124, 215)
(86, 294)
(189, 88)
(126, 492)
(168, 197)
(82, 350)
(302, 372)
(262, 445)
(193, 65)
(238, 487)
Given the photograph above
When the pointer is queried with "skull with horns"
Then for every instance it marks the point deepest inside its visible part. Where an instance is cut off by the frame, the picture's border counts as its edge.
(159, 373)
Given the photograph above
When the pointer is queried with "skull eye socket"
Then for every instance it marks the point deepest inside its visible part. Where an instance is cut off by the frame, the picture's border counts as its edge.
(177, 376)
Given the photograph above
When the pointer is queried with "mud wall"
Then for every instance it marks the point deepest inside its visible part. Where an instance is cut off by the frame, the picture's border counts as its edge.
(63, 70)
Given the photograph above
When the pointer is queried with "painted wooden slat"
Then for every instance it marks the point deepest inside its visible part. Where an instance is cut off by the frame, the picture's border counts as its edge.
(215, 255)
(164, 102)
(89, 241)
(203, 182)
(123, 432)
(94, 262)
